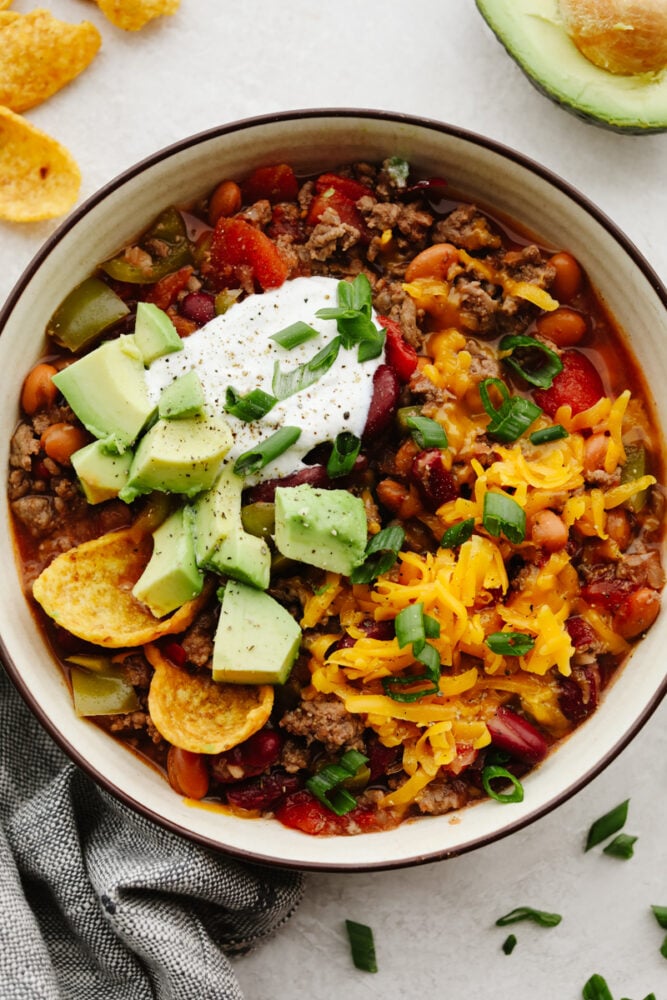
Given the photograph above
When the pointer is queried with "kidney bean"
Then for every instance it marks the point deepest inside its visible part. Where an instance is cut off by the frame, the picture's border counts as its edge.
(313, 475)
(637, 612)
(265, 792)
(187, 773)
(380, 759)
(434, 482)
(608, 593)
(579, 694)
(519, 737)
(199, 307)
(580, 632)
(383, 630)
(386, 389)
(249, 758)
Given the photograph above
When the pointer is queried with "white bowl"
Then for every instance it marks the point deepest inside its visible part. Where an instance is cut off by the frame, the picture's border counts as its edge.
(312, 141)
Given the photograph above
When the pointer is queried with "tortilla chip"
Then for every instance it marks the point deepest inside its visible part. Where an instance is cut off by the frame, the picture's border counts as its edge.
(196, 713)
(7, 16)
(88, 591)
(131, 15)
(4, 4)
(40, 54)
(39, 179)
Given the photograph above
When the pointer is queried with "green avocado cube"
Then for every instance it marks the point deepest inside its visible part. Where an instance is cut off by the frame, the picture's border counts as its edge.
(102, 474)
(171, 577)
(323, 528)
(155, 333)
(215, 513)
(244, 557)
(107, 391)
(184, 397)
(178, 456)
(256, 641)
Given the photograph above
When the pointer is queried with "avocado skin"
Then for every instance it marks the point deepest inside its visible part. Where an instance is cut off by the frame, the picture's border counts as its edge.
(487, 8)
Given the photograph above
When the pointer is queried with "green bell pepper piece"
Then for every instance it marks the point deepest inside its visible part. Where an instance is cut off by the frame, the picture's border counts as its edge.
(102, 693)
(89, 309)
(634, 468)
(169, 232)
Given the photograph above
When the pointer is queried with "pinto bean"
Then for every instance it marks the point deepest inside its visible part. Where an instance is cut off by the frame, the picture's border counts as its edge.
(548, 530)
(619, 527)
(564, 327)
(568, 278)
(61, 440)
(637, 612)
(38, 392)
(433, 262)
(225, 201)
(187, 773)
(595, 450)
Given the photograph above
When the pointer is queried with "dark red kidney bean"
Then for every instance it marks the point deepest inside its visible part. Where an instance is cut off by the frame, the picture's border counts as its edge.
(383, 630)
(579, 694)
(580, 632)
(248, 759)
(313, 475)
(607, 593)
(386, 390)
(518, 737)
(380, 759)
(435, 483)
(199, 307)
(265, 792)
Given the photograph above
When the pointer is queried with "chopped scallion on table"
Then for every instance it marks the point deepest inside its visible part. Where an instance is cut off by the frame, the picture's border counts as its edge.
(509, 944)
(607, 825)
(362, 946)
(596, 989)
(540, 917)
(621, 846)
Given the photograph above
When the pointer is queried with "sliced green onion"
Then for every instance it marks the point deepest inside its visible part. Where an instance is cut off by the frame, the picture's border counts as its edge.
(596, 989)
(353, 318)
(256, 458)
(343, 455)
(431, 627)
(514, 415)
(371, 344)
(540, 917)
(489, 774)
(398, 170)
(381, 554)
(622, 846)
(553, 433)
(458, 534)
(509, 944)
(427, 433)
(294, 335)
(288, 383)
(510, 643)
(389, 684)
(429, 656)
(326, 784)
(607, 825)
(253, 406)
(362, 946)
(551, 363)
(409, 625)
(503, 514)
(354, 297)
(660, 914)
(663, 948)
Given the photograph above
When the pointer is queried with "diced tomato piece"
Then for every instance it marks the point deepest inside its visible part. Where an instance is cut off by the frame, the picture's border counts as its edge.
(163, 293)
(236, 244)
(176, 653)
(275, 183)
(579, 384)
(399, 355)
(302, 811)
(345, 208)
(346, 186)
(608, 594)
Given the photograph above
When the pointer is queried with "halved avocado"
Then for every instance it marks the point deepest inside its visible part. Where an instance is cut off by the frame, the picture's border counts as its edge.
(533, 34)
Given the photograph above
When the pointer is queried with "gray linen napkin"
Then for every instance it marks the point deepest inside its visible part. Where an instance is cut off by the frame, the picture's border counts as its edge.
(98, 903)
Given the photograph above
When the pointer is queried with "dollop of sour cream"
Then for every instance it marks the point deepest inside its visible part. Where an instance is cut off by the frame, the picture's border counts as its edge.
(235, 349)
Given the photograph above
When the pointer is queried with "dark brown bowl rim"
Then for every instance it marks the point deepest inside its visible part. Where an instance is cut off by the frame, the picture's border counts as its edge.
(240, 125)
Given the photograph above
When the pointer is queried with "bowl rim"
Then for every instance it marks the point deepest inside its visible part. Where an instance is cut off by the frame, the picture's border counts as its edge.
(189, 142)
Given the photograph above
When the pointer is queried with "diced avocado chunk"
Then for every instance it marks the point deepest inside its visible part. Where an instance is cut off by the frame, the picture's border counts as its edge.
(85, 313)
(256, 641)
(178, 456)
(244, 557)
(534, 35)
(172, 576)
(107, 391)
(102, 693)
(184, 397)
(324, 528)
(215, 513)
(102, 474)
(155, 333)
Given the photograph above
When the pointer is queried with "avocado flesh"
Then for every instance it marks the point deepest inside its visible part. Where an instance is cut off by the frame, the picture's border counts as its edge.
(534, 36)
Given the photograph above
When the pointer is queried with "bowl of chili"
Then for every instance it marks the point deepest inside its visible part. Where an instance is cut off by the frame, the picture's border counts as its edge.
(496, 640)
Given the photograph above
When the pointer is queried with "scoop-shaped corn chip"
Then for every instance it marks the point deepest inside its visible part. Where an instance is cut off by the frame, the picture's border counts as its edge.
(196, 713)
(88, 591)
(40, 54)
(4, 4)
(131, 15)
(39, 179)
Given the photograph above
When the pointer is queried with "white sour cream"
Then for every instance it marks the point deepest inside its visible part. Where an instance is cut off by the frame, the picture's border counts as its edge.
(235, 350)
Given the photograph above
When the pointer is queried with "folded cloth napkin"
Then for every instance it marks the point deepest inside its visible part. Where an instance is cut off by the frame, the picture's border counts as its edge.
(99, 903)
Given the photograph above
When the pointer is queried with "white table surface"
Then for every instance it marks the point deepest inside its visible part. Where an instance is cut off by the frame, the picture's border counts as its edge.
(218, 61)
